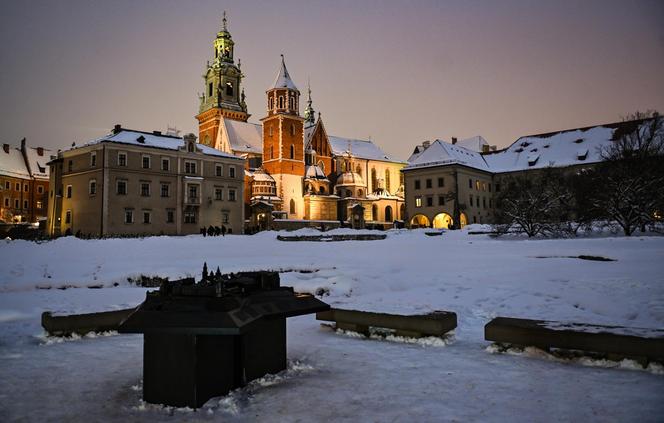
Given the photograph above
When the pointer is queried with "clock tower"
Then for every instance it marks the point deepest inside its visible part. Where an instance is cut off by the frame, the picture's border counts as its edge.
(222, 96)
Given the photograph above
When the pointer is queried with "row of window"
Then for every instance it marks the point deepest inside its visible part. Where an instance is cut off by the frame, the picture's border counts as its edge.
(292, 104)
(26, 187)
(146, 163)
(121, 188)
(428, 183)
(26, 204)
(477, 201)
(479, 185)
(188, 216)
(429, 201)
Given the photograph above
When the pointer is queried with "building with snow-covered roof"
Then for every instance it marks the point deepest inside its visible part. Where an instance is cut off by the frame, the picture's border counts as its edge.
(132, 182)
(451, 184)
(23, 183)
(295, 151)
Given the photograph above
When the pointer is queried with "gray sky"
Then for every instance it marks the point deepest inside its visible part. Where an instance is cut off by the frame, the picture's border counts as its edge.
(399, 72)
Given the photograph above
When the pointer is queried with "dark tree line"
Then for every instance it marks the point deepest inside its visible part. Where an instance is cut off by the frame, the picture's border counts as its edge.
(626, 188)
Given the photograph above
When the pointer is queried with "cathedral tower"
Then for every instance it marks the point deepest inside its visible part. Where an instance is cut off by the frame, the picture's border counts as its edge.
(222, 97)
(283, 142)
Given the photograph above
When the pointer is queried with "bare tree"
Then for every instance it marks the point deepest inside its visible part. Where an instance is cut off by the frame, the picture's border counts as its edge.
(630, 180)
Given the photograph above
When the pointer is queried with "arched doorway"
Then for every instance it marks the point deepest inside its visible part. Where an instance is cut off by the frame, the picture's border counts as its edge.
(442, 221)
(463, 221)
(419, 221)
(292, 206)
(388, 214)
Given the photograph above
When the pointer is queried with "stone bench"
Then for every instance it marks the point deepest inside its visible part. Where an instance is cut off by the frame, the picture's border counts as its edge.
(81, 324)
(615, 341)
(435, 324)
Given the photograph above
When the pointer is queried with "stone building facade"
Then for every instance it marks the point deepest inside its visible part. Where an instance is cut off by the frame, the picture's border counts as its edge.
(454, 184)
(24, 182)
(144, 183)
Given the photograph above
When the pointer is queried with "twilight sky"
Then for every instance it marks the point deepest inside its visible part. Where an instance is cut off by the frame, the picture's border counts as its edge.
(396, 71)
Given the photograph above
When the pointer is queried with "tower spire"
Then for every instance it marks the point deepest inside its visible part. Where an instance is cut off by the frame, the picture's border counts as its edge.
(309, 112)
(224, 26)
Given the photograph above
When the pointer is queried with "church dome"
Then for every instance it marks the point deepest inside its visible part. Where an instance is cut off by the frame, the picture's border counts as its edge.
(350, 179)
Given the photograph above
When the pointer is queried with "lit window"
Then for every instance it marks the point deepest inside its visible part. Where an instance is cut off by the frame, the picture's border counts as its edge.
(40, 205)
(477, 185)
(418, 201)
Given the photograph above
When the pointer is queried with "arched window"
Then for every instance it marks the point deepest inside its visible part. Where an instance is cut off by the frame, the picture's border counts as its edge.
(270, 131)
(210, 89)
(229, 88)
(387, 180)
(321, 190)
(271, 103)
(358, 170)
(271, 151)
(388, 214)
(374, 180)
(281, 101)
(360, 193)
(292, 151)
(292, 129)
(321, 165)
(291, 102)
(374, 212)
(292, 206)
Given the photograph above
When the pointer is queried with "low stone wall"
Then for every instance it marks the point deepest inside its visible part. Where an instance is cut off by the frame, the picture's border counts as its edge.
(332, 238)
(295, 224)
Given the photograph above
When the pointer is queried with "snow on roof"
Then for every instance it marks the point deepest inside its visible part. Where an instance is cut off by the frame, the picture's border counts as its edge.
(244, 136)
(146, 139)
(361, 149)
(38, 163)
(475, 143)
(283, 79)
(314, 172)
(12, 163)
(559, 149)
(442, 153)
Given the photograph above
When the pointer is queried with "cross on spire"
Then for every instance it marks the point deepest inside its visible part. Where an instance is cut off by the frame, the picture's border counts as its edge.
(224, 22)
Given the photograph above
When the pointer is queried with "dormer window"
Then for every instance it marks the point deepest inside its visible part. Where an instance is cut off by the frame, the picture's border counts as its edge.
(190, 147)
(582, 154)
(578, 141)
(532, 159)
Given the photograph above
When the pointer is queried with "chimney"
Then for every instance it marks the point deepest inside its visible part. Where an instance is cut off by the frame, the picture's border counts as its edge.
(454, 140)
(23, 144)
(485, 148)
(426, 144)
(117, 128)
(40, 151)
(6, 148)
(156, 132)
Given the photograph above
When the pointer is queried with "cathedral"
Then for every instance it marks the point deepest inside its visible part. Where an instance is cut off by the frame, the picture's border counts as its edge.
(294, 170)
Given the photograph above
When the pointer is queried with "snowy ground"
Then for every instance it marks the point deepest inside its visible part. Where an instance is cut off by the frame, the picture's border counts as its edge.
(335, 377)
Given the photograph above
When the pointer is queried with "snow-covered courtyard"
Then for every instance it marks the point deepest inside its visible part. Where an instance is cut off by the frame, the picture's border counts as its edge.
(334, 376)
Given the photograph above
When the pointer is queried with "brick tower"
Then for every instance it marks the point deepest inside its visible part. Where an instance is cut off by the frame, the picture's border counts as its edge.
(222, 96)
(283, 142)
